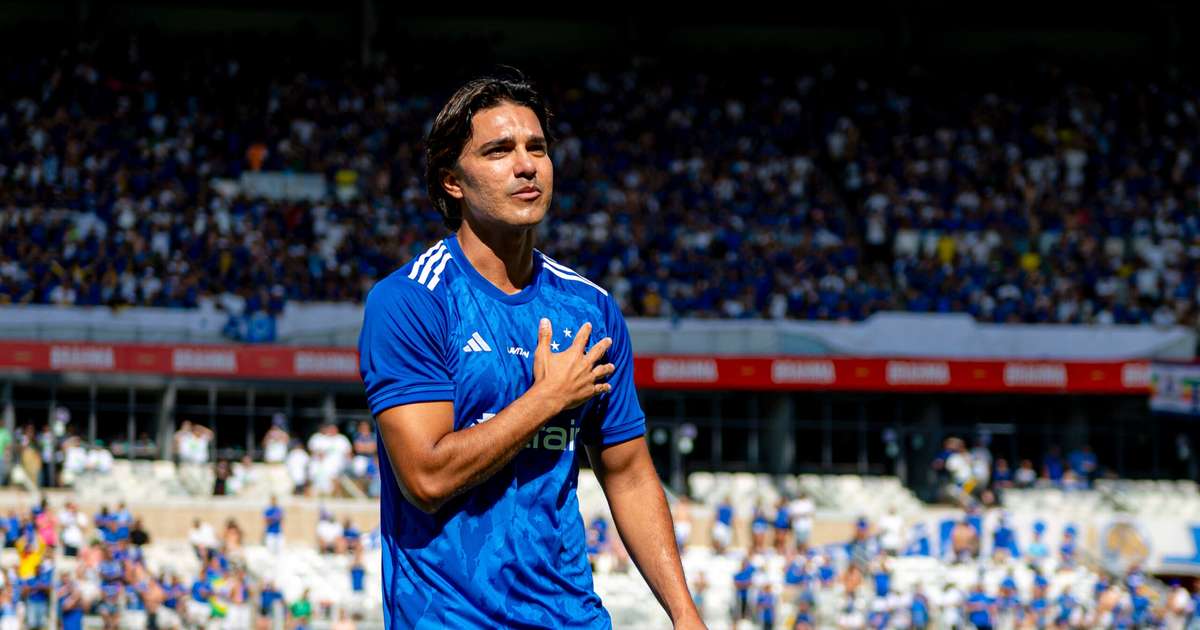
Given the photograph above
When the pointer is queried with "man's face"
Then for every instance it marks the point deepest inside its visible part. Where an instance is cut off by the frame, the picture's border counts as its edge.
(504, 175)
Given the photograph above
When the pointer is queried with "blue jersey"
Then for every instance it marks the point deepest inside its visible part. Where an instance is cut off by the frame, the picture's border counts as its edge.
(511, 551)
(274, 518)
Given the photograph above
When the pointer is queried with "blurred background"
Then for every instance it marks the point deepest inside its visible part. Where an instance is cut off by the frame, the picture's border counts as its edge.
(913, 295)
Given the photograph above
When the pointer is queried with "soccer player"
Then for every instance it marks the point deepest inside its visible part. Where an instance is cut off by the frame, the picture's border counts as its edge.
(487, 364)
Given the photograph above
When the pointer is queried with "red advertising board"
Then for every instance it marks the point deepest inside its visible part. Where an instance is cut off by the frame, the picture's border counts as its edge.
(660, 372)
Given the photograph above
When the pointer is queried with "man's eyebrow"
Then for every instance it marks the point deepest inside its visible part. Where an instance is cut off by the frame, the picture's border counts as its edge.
(498, 142)
(507, 140)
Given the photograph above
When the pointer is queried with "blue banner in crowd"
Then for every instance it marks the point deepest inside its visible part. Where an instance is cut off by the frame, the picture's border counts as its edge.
(256, 328)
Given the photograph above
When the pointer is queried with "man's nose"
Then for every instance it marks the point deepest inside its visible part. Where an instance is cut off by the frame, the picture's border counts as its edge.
(524, 165)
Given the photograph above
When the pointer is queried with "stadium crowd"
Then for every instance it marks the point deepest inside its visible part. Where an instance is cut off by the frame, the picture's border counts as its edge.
(96, 566)
(973, 574)
(53, 454)
(819, 192)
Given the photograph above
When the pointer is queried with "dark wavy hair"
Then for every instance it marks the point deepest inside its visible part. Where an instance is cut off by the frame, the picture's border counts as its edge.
(451, 130)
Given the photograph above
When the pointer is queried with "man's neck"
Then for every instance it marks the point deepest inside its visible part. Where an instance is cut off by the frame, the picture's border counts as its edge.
(504, 258)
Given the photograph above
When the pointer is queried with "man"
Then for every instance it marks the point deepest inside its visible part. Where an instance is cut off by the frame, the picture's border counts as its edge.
(479, 368)
(71, 604)
(273, 538)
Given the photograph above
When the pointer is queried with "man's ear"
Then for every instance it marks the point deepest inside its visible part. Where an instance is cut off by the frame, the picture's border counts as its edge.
(451, 185)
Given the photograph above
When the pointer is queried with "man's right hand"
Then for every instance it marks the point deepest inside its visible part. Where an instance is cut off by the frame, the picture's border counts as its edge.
(570, 377)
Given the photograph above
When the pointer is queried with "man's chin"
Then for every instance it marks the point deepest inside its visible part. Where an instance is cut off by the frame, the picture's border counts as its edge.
(528, 216)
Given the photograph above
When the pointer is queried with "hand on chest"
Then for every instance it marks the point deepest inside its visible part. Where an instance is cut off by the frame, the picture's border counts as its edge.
(494, 348)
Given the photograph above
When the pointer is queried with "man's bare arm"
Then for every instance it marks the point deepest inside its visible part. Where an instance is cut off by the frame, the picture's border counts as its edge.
(434, 463)
(640, 512)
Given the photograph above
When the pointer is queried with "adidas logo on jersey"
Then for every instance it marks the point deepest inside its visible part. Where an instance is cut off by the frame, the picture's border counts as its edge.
(476, 344)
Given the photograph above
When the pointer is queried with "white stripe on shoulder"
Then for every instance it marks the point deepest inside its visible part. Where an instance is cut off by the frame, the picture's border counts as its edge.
(567, 273)
(428, 268)
(437, 273)
(416, 269)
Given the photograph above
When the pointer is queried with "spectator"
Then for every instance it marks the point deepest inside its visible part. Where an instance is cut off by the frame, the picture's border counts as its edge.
(300, 612)
(1052, 466)
(322, 473)
(75, 460)
(243, 474)
(765, 605)
(330, 445)
(891, 532)
(6, 442)
(221, 475)
(1083, 463)
(202, 538)
(344, 621)
(297, 465)
(802, 510)
(231, 538)
(36, 593)
(358, 573)
(722, 532)
(181, 441)
(268, 598)
(100, 459)
(364, 449)
(74, 522)
(1026, 476)
(351, 537)
(275, 442)
(273, 536)
(71, 604)
(742, 582)
(1002, 475)
(329, 534)
(47, 445)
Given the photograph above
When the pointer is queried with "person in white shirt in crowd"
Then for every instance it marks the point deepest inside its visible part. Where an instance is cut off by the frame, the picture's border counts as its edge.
(891, 532)
(958, 465)
(981, 463)
(275, 442)
(198, 445)
(951, 603)
(323, 470)
(182, 440)
(1026, 476)
(100, 459)
(297, 467)
(334, 447)
(202, 538)
(329, 533)
(243, 476)
(1179, 606)
(74, 524)
(75, 460)
(801, 509)
(192, 443)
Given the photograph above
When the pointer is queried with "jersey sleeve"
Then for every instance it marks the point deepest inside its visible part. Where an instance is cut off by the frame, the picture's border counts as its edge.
(617, 415)
(402, 356)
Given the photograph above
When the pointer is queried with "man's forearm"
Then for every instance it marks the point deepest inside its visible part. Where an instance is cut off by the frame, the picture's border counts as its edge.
(644, 522)
(460, 460)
